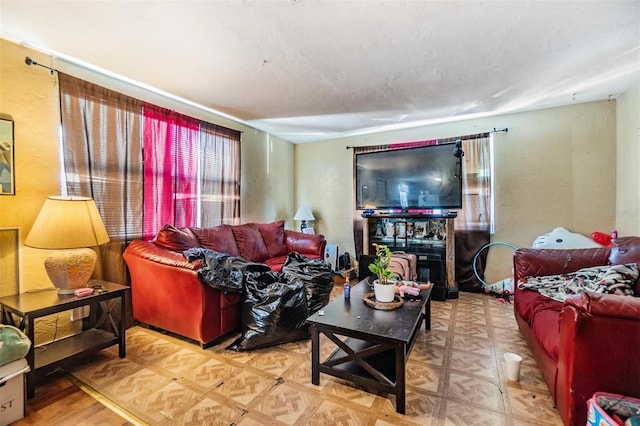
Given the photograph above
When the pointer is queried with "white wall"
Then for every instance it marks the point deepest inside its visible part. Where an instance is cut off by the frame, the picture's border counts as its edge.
(627, 212)
(554, 167)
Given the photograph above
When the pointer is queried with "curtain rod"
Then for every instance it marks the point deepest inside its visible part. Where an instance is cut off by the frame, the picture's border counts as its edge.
(445, 140)
(29, 61)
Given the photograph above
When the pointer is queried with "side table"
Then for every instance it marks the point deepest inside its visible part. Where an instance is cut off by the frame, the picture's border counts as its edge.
(45, 358)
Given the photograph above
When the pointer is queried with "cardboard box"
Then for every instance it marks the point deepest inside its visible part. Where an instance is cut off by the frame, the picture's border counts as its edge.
(12, 392)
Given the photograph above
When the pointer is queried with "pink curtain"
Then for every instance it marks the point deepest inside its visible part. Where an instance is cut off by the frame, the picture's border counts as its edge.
(170, 170)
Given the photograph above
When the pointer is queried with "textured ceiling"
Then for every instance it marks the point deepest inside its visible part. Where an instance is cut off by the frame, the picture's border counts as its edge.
(309, 70)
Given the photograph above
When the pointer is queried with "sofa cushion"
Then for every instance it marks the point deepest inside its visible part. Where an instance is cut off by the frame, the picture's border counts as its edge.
(625, 250)
(529, 302)
(250, 242)
(273, 236)
(546, 327)
(219, 238)
(276, 263)
(175, 239)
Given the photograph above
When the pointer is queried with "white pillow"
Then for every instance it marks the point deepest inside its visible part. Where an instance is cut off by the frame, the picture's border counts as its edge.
(561, 238)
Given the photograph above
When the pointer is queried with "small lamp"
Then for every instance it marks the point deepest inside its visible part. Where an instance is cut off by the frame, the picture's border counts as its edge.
(69, 225)
(303, 214)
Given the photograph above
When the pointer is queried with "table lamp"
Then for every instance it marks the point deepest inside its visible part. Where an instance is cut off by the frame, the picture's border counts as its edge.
(303, 214)
(68, 225)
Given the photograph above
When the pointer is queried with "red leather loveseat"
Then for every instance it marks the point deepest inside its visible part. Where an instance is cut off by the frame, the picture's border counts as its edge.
(167, 293)
(589, 343)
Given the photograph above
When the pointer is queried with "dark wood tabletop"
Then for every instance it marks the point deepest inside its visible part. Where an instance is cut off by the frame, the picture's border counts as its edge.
(354, 315)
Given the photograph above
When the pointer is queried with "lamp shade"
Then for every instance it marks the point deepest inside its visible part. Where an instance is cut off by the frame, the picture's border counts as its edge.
(68, 225)
(304, 213)
(67, 222)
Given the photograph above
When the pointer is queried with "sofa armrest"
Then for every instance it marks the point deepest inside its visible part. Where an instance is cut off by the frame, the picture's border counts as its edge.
(606, 305)
(305, 243)
(150, 251)
(541, 262)
(166, 292)
(599, 351)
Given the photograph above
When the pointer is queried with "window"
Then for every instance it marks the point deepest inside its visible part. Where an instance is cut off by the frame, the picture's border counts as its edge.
(145, 166)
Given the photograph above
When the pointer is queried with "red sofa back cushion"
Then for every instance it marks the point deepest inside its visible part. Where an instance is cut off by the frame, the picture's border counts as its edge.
(250, 242)
(176, 239)
(219, 238)
(626, 250)
(273, 236)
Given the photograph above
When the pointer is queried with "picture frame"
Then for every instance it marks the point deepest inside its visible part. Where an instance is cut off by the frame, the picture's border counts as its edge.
(309, 231)
(410, 229)
(7, 156)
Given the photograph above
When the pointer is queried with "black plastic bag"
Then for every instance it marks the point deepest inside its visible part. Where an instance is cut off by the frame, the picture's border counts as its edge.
(316, 276)
(223, 271)
(274, 311)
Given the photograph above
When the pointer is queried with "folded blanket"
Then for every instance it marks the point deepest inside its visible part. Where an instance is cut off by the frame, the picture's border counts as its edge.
(610, 279)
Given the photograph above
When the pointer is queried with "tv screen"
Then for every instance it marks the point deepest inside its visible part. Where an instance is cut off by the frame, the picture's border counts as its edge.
(422, 178)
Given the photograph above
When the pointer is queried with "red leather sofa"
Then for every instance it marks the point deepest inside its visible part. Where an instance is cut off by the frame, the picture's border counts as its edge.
(167, 293)
(589, 343)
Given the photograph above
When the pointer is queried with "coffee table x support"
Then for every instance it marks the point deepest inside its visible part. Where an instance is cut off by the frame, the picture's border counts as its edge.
(372, 345)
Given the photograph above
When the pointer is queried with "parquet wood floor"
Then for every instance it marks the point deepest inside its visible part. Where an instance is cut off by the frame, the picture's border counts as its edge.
(59, 402)
(455, 377)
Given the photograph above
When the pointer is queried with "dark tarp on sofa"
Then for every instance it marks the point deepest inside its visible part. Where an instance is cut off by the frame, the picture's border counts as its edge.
(223, 271)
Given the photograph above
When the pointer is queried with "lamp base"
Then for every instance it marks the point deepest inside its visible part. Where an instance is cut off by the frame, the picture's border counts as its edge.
(69, 270)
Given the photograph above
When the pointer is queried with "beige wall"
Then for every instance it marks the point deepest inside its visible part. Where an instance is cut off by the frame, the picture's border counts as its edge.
(29, 95)
(555, 167)
(627, 212)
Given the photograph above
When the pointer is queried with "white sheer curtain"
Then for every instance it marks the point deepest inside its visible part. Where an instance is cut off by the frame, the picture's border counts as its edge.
(477, 188)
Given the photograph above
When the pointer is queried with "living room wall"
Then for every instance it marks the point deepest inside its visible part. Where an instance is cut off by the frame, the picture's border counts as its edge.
(554, 168)
(30, 95)
(627, 212)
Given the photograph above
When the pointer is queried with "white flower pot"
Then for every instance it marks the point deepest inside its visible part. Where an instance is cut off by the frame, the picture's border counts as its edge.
(384, 292)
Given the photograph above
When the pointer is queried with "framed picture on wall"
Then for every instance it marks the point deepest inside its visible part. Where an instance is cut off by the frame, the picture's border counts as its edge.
(7, 166)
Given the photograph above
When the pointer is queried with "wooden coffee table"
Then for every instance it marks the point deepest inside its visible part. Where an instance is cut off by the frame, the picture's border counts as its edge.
(372, 345)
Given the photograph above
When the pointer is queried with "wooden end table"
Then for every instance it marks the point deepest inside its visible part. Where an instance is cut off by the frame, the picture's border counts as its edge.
(372, 345)
(29, 306)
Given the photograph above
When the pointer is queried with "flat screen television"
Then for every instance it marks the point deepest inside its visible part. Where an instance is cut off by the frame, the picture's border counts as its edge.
(421, 178)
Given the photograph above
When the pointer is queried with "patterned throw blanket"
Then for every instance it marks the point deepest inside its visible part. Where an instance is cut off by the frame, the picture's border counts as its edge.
(610, 279)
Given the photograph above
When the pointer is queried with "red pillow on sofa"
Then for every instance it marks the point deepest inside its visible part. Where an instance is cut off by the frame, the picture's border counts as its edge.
(219, 238)
(176, 239)
(273, 236)
(250, 242)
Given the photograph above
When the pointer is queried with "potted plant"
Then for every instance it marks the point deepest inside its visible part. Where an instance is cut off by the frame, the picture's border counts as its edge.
(384, 285)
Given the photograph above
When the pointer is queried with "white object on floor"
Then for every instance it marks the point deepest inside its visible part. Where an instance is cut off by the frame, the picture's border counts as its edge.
(500, 287)
(512, 366)
(561, 238)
